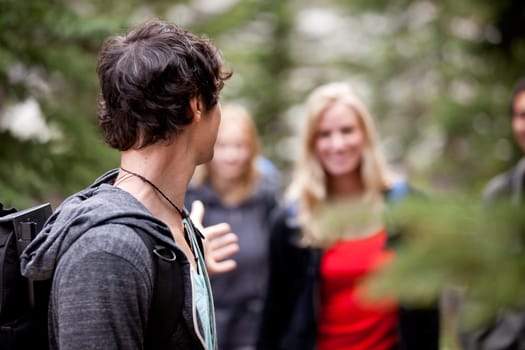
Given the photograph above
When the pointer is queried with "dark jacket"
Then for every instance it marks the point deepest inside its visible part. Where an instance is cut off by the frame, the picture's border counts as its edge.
(103, 273)
(507, 186)
(239, 294)
(507, 331)
(289, 321)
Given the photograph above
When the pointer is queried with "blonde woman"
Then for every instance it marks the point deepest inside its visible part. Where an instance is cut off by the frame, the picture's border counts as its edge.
(332, 235)
(233, 190)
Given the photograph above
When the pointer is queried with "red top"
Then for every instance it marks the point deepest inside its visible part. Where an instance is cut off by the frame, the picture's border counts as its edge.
(346, 320)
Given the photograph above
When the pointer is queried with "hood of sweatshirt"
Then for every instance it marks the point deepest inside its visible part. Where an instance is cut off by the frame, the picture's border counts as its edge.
(96, 205)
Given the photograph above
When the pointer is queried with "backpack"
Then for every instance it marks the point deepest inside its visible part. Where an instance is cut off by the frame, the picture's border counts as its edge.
(24, 303)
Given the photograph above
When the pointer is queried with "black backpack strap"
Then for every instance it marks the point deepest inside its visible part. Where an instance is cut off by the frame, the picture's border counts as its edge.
(168, 294)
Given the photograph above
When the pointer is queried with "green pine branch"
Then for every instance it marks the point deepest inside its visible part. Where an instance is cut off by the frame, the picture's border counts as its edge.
(456, 242)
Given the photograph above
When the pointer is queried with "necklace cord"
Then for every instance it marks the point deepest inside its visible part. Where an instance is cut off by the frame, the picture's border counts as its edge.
(183, 213)
(188, 225)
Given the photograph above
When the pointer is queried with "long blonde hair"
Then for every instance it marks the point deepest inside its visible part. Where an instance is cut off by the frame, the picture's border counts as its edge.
(309, 182)
(236, 114)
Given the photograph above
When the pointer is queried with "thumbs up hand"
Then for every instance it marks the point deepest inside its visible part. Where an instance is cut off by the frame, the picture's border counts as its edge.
(219, 243)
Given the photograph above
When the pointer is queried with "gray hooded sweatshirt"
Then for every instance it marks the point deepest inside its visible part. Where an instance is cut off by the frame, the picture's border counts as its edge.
(103, 273)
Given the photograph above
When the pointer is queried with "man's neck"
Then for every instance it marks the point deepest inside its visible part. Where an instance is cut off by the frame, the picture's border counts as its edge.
(168, 171)
(151, 175)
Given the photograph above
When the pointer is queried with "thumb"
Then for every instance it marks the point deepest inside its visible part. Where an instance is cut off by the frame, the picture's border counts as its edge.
(197, 213)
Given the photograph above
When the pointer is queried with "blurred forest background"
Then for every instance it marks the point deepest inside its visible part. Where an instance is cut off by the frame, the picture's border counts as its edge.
(436, 74)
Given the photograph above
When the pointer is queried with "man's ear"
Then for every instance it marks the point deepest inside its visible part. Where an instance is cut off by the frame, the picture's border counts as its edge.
(195, 106)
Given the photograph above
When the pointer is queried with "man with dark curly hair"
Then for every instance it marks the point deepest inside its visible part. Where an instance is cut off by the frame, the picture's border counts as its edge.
(159, 106)
(507, 332)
